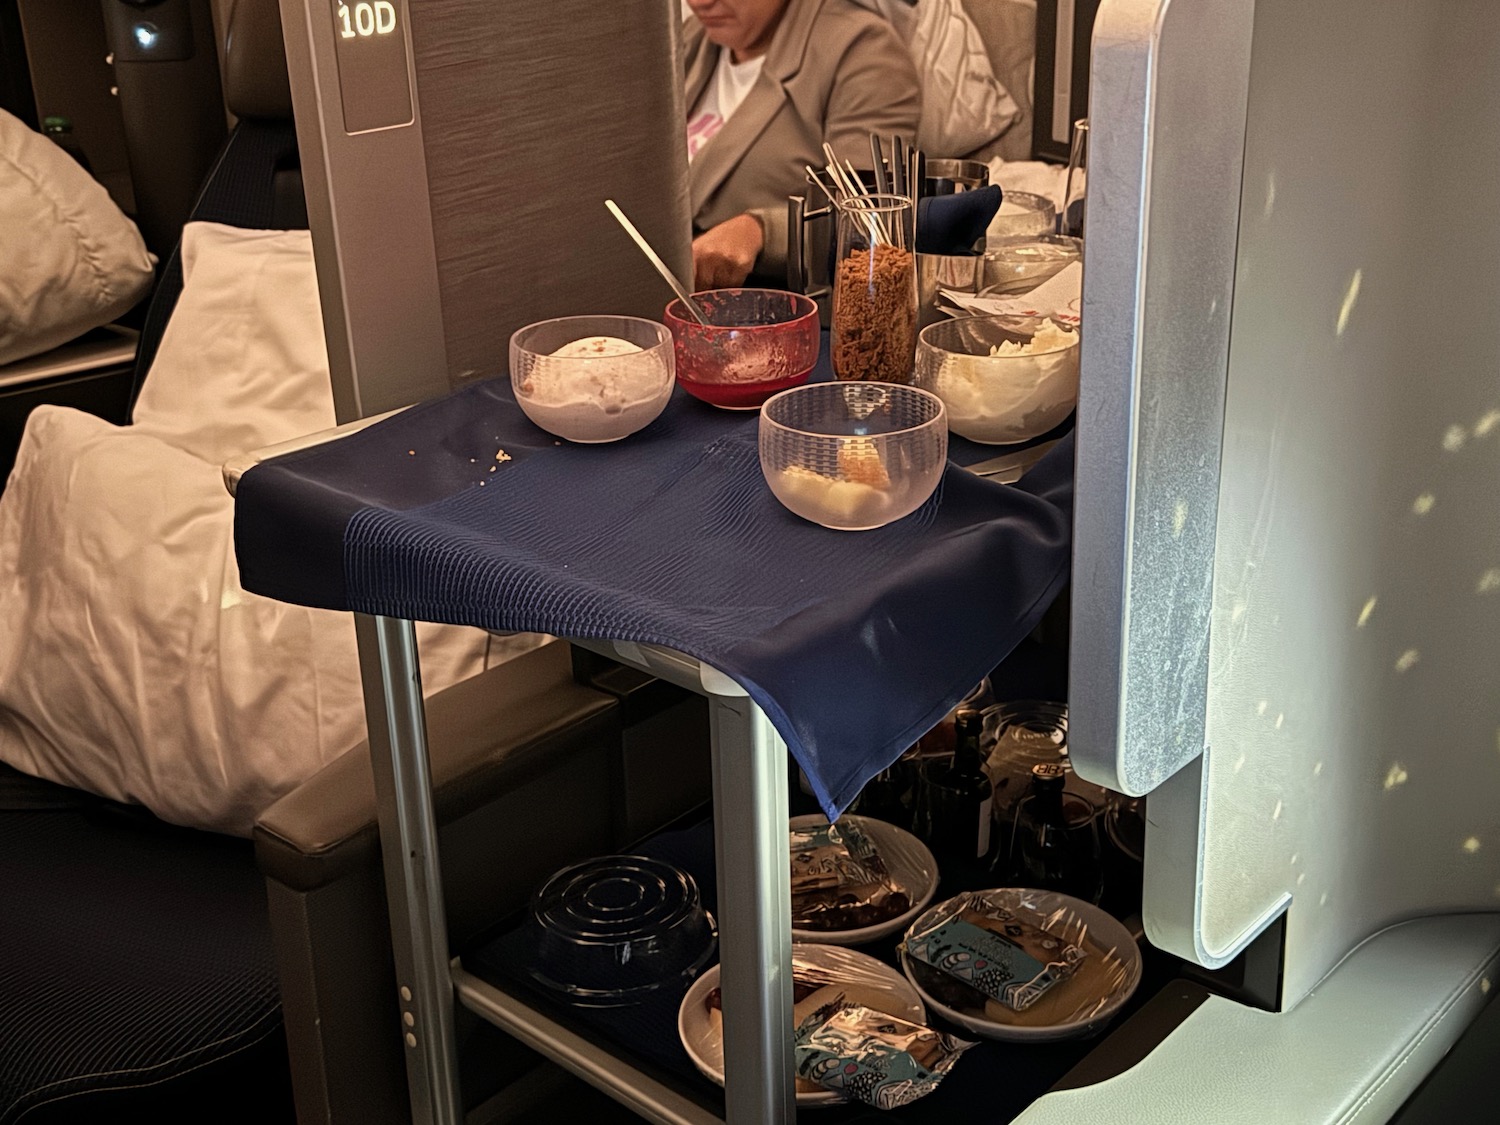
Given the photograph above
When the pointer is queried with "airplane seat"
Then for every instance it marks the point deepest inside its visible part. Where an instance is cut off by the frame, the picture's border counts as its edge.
(256, 181)
(137, 973)
(137, 977)
(142, 974)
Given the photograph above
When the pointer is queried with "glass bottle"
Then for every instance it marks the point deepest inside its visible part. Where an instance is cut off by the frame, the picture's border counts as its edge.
(890, 794)
(1070, 218)
(954, 813)
(938, 742)
(1054, 844)
(1021, 733)
(874, 333)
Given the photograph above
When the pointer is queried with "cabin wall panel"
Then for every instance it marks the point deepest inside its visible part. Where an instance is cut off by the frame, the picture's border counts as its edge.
(533, 113)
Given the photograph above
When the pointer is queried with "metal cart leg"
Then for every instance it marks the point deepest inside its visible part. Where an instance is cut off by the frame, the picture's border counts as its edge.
(755, 928)
(408, 842)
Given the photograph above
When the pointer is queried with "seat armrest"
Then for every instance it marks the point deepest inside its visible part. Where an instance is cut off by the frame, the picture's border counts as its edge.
(486, 736)
(103, 348)
(238, 466)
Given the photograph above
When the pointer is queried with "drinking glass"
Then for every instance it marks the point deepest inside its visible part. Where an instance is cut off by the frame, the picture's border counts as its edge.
(874, 335)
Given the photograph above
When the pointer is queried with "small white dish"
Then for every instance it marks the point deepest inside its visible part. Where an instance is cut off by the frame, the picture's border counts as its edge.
(911, 867)
(1074, 1009)
(862, 980)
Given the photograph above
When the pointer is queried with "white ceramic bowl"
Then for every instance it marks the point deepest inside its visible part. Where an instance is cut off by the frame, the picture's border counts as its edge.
(911, 867)
(863, 980)
(1074, 1009)
(997, 399)
(592, 379)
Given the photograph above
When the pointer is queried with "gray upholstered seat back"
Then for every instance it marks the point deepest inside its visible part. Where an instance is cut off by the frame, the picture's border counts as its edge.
(441, 232)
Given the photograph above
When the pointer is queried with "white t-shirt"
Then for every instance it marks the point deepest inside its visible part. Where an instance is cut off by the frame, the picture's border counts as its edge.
(721, 97)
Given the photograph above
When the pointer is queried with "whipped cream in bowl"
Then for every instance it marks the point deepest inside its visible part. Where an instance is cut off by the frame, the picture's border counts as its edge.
(1003, 379)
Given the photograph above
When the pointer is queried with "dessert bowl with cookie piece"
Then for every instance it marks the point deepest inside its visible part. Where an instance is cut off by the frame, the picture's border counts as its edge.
(853, 456)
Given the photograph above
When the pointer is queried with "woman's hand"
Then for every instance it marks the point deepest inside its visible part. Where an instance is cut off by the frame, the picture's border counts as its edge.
(723, 256)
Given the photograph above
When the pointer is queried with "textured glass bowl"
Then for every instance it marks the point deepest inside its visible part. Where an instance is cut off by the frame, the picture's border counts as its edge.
(757, 342)
(1021, 215)
(997, 399)
(612, 931)
(1019, 267)
(591, 398)
(853, 456)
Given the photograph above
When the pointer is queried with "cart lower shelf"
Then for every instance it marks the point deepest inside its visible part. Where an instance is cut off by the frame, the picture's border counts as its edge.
(634, 1055)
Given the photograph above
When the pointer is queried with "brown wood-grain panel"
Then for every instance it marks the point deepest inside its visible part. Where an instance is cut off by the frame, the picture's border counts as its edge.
(533, 113)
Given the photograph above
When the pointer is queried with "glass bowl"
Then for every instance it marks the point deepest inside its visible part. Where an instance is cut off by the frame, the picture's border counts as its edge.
(1021, 215)
(1019, 267)
(612, 931)
(592, 379)
(853, 456)
(995, 398)
(757, 342)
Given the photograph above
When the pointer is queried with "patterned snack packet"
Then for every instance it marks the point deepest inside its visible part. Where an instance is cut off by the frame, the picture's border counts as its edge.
(882, 1060)
(993, 951)
(839, 880)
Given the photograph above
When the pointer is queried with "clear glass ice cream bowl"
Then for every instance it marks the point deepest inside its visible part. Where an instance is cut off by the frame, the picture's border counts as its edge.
(592, 379)
(853, 456)
(1004, 379)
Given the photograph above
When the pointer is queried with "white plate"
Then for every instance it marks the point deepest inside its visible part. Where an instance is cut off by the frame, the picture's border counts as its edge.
(1102, 937)
(869, 982)
(910, 864)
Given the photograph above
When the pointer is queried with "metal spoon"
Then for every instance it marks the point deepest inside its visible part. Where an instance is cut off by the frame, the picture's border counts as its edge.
(882, 185)
(661, 266)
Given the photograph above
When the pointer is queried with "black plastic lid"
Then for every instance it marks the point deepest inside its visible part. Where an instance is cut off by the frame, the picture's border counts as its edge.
(1049, 773)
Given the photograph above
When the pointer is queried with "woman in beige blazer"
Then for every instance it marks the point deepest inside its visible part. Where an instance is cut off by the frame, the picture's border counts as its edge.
(832, 72)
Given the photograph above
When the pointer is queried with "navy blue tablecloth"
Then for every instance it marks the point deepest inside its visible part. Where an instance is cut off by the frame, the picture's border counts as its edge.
(460, 510)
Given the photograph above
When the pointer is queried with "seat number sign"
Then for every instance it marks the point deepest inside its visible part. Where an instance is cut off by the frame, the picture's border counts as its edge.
(370, 40)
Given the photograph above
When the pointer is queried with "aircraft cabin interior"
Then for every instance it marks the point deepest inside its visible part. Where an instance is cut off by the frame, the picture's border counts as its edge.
(749, 561)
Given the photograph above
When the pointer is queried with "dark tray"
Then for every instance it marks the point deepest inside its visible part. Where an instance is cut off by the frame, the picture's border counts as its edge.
(993, 1083)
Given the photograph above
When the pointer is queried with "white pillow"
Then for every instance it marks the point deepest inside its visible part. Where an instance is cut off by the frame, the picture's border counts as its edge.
(964, 106)
(132, 663)
(242, 363)
(69, 258)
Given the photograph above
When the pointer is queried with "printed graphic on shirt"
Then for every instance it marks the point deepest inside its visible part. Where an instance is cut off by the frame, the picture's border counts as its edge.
(701, 130)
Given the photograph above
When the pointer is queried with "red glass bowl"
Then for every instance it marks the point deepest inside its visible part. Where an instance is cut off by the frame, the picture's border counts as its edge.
(757, 342)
